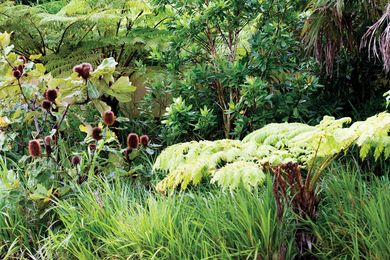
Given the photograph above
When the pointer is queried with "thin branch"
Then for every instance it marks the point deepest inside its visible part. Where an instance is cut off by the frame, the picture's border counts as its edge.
(85, 35)
(63, 35)
(41, 36)
(63, 116)
(21, 91)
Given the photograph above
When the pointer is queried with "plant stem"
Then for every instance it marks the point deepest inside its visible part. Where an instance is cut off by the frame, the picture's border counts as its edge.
(63, 116)
(21, 91)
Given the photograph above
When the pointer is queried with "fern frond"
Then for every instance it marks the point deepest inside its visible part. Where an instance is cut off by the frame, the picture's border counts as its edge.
(248, 174)
(230, 162)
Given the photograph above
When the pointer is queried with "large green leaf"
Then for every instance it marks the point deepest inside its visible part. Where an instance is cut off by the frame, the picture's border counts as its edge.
(122, 90)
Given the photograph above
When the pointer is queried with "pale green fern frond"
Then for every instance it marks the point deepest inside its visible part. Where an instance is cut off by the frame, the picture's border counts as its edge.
(248, 174)
(230, 162)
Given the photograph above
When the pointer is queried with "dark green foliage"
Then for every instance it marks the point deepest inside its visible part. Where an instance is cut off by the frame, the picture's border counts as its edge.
(67, 33)
(239, 59)
(72, 187)
(354, 83)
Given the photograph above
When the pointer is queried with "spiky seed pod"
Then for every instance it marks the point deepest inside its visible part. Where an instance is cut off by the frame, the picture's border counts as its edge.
(87, 69)
(109, 118)
(46, 104)
(51, 94)
(78, 69)
(76, 160)
(34, 148)
(83, 70)
(92, 147)
(132, 141)
(144, 140)
(48, 140)
(16, 73)
(97, 133)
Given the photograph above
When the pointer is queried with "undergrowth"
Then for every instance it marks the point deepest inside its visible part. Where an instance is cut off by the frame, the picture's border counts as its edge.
(354, 220)
(114, 221)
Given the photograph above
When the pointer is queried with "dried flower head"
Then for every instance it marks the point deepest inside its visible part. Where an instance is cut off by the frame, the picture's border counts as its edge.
(132, 141)
(83, 70)
(109, 118)
(48, 139)
(97, 133)
(92, 147)
(144, 140)
(46, 104)
(51, 94)
(16, 73)
(34, 148)
(76, 160)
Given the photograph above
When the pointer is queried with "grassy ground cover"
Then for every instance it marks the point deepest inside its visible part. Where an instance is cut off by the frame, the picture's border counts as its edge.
(115, 220)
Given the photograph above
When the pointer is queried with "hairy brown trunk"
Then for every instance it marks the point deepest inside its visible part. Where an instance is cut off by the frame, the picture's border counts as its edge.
(288, 188)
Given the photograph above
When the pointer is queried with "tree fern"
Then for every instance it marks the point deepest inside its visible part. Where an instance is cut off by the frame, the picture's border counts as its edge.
(84, 31)
(230, 162)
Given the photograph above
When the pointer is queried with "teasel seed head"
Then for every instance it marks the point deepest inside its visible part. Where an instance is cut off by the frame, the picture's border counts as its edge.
(144, 140)
(92, 147)
(34, 148)
(48, 150)
(76, 160)
(48, 140)
(97, 133)
(132, 141)
(16, 73)
(21, 68)
(46, 104)
(83, 70)
(51, 94)
(109, 118)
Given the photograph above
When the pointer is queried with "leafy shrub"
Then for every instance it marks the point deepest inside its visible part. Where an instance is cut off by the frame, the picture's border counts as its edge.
(40, 139)
(238, 58)
(180, 122)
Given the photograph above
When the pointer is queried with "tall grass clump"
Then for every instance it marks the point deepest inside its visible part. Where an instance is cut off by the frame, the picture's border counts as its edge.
(354, 216)
(19, 231)
(114, 221)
